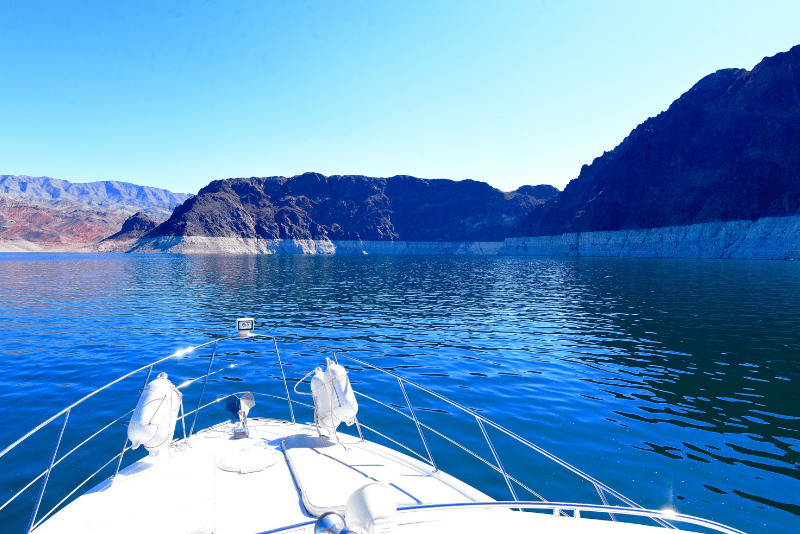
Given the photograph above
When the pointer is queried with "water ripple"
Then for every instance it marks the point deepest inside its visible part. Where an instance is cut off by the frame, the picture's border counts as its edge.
(673, 381)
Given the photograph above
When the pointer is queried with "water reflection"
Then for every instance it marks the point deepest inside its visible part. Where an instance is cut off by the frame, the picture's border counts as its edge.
(673, 381)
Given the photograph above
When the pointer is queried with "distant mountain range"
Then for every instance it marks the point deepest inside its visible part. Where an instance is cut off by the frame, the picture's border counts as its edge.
(728, 149)
(314, 206)
(107, 194)
(41, 213)
(724, 155)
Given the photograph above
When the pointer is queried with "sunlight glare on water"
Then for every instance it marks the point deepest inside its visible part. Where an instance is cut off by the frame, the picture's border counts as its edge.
(672, 381)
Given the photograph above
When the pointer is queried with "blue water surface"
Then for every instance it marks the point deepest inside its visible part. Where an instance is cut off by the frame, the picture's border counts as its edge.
(674, 382)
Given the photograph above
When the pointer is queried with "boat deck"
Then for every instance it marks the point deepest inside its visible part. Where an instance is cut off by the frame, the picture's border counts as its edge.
(283, 475)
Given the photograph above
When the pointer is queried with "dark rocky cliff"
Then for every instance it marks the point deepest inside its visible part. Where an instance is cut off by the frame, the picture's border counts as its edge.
(728, 149)
(313, 206)
(135, 227)
(542, 192)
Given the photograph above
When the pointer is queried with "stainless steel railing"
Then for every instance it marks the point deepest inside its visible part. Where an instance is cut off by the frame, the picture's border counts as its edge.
(45, 475)
(556, 507)
(661, 517)
(481, 420)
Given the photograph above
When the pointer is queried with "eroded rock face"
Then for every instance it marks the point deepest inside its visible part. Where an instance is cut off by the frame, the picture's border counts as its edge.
(135, 227)
(769, 238)
(45, 214)
(542, 192)
(64, 226)
(312, 207)
(728, 149)
(108, 195)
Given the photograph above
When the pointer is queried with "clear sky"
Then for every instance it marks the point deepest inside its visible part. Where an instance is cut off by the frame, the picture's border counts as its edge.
(176, 94)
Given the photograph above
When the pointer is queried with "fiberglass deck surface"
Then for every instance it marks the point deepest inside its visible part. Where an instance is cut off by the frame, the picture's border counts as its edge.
(327, 473)
(288, 475)
(187, 491)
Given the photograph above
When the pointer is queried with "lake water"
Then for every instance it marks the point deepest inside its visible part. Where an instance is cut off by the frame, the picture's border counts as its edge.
(675, 382)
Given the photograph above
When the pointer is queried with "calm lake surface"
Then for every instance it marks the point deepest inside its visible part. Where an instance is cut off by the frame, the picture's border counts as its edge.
(675, 382)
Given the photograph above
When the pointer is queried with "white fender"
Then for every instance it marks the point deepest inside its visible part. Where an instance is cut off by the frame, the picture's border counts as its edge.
(372, 508)
(153, 421)
(322, 392)
(343, 403)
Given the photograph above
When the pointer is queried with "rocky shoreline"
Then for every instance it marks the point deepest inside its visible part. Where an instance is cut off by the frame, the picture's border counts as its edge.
(252, 245)
(15, 244)
(769, 238)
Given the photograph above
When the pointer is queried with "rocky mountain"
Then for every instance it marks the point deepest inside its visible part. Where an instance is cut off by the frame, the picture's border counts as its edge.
(542, 192)
(728, 149)
(107, 194)
(135, 227)
(313, 206)
(44, 214)
(32, 227)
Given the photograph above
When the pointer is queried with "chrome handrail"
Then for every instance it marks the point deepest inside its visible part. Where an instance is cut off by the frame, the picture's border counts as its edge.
(95, 392)
(497, 459)
(81, 444)
(660, 517)
(516, 437)
(66, 411)
(71, 493)
(457, 444)
(47, 476)
(557, 507)
(125, 445)
(182, 352)
(416, 422)
(578, 507)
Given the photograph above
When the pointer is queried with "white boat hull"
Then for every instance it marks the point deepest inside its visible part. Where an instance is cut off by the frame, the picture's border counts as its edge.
(283, 474)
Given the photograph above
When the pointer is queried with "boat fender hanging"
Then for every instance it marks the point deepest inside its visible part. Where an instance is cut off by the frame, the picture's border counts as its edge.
(344, 403)
(323, 392)
(153, 421)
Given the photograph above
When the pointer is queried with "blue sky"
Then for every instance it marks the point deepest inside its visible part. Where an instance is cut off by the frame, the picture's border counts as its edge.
(176, 94)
